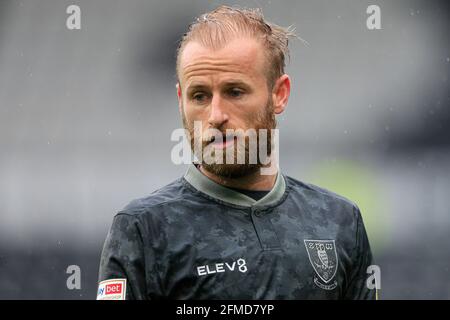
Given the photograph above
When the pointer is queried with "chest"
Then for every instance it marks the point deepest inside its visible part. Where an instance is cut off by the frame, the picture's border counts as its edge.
(257, 255)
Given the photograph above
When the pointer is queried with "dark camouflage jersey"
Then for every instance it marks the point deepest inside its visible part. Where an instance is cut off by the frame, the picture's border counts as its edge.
(196, 239)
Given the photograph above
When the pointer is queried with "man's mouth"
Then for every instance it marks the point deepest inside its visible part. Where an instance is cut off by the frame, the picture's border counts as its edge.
(222, 142)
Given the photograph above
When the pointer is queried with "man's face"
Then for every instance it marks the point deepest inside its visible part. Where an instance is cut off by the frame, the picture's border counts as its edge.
(225, 89)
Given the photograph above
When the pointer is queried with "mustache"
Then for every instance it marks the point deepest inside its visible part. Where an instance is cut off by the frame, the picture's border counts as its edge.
(215, 135)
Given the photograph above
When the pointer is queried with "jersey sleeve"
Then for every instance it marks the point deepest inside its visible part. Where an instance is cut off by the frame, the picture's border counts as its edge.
(123, 260)
(362, 258)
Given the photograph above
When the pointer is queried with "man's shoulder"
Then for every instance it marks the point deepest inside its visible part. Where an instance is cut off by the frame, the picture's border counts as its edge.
(318, 194)
(167, 195)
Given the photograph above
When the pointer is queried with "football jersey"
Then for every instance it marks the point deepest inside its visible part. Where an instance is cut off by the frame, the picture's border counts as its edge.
(196, 239)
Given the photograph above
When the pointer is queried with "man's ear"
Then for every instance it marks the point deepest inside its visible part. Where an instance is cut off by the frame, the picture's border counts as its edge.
(179, 96)
(280, 93)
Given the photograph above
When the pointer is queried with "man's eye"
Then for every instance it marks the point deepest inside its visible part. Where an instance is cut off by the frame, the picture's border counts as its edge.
(199, 97)
(235, 93)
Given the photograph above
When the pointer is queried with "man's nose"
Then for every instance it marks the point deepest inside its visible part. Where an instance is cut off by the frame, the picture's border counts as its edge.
(218, 114)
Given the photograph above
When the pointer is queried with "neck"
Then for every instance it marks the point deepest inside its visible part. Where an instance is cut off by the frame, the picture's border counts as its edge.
(254, 181)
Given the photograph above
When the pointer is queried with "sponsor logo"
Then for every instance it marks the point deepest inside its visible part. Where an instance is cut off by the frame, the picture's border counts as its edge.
(324, 260)
(113, 289)
(239, 265)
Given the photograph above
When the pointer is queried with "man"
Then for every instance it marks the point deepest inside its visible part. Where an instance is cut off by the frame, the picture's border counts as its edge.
(229, 230)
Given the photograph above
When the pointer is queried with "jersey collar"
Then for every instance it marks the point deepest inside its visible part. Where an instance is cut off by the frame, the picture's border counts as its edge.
(204, 184)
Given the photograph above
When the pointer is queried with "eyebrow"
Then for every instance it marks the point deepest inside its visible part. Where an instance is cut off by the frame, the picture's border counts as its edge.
(230, 83)
(195, 87)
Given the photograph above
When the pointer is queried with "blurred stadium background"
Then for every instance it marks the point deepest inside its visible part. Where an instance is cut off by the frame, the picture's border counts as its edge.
(86, 117)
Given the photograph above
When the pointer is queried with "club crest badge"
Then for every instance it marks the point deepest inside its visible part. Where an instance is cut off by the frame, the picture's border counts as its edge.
(324, 260)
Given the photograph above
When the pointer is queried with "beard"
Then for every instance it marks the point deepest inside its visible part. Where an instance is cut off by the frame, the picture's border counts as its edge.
(243, 162)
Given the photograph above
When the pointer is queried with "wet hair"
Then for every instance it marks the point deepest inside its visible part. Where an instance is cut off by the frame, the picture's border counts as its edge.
(214, 29)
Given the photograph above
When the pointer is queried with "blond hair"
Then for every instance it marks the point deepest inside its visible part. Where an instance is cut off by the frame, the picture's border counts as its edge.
(214, 29)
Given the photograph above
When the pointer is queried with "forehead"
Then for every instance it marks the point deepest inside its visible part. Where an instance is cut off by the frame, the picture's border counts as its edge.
(242, 57)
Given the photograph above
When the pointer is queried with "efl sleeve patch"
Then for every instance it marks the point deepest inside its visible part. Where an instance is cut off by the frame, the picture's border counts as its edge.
(113, 289)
